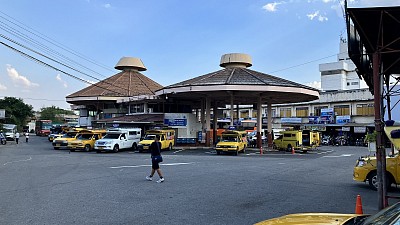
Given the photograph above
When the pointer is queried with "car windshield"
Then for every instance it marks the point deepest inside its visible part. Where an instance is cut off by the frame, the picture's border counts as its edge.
(111, 136)
(84, 136)
(390, 215)
(69, 135)
(229, 139)
(149, 137)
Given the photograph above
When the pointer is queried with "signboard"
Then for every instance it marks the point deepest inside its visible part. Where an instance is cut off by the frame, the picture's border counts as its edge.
(342, 119)
(2, 113)
(345, 128)
(360, 130)
(175, 119)
(327, 116)
(291, 120)
(313, 120)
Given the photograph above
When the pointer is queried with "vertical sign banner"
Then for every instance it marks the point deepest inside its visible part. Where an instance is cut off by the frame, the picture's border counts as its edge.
(327, 116)
(2, 113)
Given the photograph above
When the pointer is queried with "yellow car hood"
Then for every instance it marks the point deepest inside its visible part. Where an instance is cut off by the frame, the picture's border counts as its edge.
(310, 218)
(146, 142)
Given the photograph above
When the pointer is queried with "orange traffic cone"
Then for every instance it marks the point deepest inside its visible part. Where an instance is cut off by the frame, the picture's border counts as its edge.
(359, 209)
(292, 150)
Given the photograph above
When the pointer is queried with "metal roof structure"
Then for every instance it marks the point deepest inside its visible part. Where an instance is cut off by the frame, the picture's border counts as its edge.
(374, 30)
(374, 47)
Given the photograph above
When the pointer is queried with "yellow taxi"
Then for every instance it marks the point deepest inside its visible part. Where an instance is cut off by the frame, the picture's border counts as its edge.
(388, 216)
(231, 141)
(85, 140)
(166, 136)
(62, 142)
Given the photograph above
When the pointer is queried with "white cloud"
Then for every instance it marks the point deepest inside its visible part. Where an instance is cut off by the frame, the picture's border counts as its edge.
(271, 7)
(108, 5)
(314, 84)
(58, 77)
(2, 87)
(19, 79)
(318, 16)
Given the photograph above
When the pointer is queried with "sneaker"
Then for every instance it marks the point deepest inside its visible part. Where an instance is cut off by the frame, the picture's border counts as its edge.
(149, 178)
(160, 180)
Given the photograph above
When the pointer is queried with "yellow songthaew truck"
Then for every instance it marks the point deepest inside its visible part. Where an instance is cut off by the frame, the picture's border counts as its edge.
(303, 140)
(167, 139)
(85, 140)
(231, 141)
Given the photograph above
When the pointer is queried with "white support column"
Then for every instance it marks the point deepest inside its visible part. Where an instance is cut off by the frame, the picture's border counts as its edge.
(259, 122)
(202, 117)
(208, 113)
(269, 119)
(231, 114)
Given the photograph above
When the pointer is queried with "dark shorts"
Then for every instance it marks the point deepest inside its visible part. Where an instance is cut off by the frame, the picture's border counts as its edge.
(155, 164)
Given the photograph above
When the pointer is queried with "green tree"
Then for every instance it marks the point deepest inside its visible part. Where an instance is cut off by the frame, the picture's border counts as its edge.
(17, 112)
(54, 114)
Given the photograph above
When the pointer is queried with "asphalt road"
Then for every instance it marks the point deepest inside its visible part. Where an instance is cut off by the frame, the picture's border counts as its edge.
(39, 185)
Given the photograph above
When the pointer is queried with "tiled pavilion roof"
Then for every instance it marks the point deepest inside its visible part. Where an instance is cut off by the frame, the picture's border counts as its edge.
(124, 84)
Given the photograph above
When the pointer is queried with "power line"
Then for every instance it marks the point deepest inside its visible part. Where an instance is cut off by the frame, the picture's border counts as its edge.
(50, 66)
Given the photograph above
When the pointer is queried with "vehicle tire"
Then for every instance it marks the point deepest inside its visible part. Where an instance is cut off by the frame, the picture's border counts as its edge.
(3, 142)
(218, 153)
(56, 148)
(373, 181)
(134, 146)
(170, 147)
(72, 150)
(116, 148)
(289, 148)
(98, 151)
(87, 148)
(244, 150)
(236, 152)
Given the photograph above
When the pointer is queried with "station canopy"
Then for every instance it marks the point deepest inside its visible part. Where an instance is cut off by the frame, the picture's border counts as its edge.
(244, 85)
(371, 30)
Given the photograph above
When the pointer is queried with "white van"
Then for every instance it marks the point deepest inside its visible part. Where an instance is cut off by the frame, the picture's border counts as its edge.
(119, 139)
(10, 130)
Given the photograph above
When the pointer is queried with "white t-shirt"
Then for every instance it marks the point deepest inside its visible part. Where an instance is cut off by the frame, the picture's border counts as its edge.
(17, 135)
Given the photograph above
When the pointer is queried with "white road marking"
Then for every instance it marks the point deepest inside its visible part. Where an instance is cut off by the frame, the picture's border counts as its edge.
(24, 160)
(162, 164)
(337, 156)
(178, 151)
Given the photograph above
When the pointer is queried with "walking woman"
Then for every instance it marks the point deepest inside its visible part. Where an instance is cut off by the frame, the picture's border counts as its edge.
(156, 158)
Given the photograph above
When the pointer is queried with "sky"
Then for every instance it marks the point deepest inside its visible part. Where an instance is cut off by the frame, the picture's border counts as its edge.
(50, 49)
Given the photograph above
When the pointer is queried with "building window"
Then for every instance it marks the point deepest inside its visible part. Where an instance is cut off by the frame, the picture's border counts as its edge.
(348, 84)
(341, 110)
(285, 112)
(254, 114)
(365, 109)
(136, 108)
(302, 112)
(354, 83)
(244, 114)
(317, 110)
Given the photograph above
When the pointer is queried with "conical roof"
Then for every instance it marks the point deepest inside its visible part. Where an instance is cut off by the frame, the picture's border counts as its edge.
(238, 83)
(124, 84)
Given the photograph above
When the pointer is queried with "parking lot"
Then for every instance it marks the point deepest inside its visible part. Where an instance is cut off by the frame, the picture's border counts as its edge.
(40, 185)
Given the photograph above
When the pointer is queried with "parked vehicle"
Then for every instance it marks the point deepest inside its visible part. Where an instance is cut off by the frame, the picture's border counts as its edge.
(231, 141)
(9, 131)
(85, 140)
(62, 142)
(166, 137)
(42, 127)
(119, 139)
(299, 140)
(389, 216)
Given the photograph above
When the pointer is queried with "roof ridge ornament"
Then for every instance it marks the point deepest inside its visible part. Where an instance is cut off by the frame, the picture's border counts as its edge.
(240, 60)
(130, 63)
